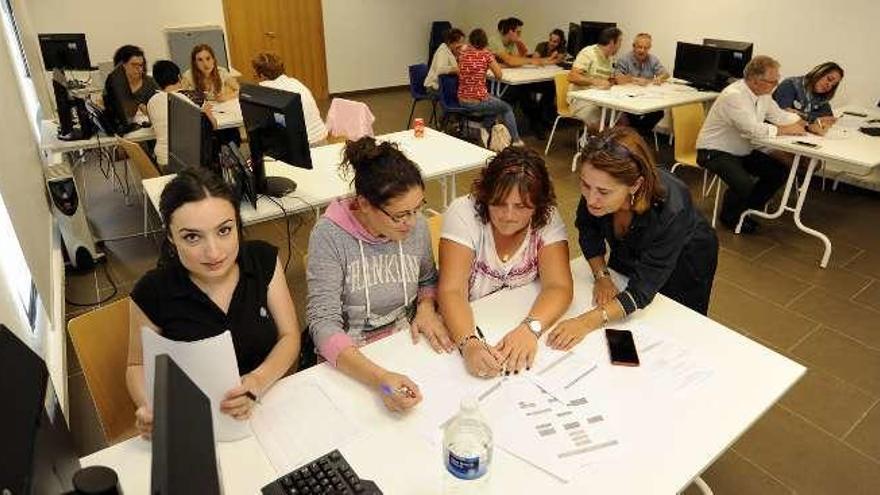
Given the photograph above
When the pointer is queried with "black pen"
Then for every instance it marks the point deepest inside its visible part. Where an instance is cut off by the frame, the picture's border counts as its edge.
(250, 395)
(483, 340)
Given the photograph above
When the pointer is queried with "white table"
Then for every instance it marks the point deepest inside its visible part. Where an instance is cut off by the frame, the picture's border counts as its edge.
(675, 438)
(526, 74)
(438, 155)
(843, 143)
(637, 100)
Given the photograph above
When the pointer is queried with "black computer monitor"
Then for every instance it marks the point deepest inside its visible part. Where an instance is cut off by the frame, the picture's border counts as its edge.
(698, 64)
(276, 128)
(67, 51)
(590, 31)
(37, 455)
(190, 135)
(734, 56)
(184, 460)
(574, 39)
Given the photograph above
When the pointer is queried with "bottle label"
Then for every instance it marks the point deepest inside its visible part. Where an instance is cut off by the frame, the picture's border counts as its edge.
(465, 468)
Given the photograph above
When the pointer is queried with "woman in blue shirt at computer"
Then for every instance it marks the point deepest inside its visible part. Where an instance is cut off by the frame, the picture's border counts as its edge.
(810, 95)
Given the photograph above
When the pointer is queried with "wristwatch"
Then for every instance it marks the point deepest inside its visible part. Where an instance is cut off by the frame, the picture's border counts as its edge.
(534, 325)
(602, 273)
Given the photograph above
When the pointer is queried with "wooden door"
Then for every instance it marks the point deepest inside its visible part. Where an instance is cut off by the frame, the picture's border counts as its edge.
(294, 29)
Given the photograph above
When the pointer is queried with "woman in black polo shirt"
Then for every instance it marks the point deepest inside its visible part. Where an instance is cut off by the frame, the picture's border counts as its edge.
(208, 281)
(656, 236)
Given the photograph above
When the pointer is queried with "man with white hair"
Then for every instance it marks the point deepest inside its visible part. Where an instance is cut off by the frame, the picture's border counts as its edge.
(743, 111)
(641, 67)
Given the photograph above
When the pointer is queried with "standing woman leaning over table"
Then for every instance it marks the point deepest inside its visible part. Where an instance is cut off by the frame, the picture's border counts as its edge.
(371, 270)
(505, 234)
(657, 238)
(209, 281)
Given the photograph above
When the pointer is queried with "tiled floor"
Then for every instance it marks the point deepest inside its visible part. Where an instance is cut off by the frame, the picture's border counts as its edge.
(822, 437)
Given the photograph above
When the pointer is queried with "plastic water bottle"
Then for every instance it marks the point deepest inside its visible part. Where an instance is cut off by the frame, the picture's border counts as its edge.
(467, 451)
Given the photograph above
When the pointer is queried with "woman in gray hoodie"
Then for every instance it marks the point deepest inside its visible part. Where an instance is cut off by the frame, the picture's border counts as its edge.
(371, 269)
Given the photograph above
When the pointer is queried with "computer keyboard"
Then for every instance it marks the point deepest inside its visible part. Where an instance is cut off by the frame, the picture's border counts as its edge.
(329, 474)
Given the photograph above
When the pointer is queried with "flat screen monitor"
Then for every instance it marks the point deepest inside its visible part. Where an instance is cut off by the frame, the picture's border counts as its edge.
(190, 135)
(574, 39)
(590, 31)
(734, 56)
(184, 460)
(698, 64)
(276, 128)
(67, 51)
(37, 455)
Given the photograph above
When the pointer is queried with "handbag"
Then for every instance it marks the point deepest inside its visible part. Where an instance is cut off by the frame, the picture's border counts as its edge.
(499, 138)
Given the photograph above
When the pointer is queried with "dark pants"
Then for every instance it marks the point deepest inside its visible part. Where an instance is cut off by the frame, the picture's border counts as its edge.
(751, 180)
(644, 123)
(691, 281)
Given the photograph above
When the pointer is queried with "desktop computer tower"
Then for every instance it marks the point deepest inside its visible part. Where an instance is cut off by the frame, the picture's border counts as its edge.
(79, 243)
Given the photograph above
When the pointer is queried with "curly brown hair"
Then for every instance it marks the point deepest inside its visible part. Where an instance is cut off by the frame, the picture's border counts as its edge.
(519, 167)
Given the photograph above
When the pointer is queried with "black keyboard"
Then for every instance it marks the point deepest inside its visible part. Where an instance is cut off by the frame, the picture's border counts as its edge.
(329, 474)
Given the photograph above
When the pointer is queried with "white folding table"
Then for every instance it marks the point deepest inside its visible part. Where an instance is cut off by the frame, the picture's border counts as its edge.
(674, 439)
(517, 76)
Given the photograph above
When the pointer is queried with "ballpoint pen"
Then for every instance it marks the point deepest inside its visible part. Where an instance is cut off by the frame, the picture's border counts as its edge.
(401, 390)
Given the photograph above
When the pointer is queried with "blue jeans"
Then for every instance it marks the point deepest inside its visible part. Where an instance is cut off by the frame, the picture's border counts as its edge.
(492, 107)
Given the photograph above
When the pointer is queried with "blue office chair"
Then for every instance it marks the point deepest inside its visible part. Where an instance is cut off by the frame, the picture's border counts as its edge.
(417, 74)
(452, 108)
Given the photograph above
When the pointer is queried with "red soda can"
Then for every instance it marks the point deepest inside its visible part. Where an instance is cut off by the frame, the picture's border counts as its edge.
(419, 127)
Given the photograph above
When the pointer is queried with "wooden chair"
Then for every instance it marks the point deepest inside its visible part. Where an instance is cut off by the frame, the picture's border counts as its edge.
(145, 168)
(686, 123)
(100, 338)
(562, 109)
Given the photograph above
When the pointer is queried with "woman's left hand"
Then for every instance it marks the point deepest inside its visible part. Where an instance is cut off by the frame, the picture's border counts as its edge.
(236, 403)
(518, 349)
(428, 323)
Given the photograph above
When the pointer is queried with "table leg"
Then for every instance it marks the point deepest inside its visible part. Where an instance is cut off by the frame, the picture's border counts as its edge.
(502, 88)
(602, 119)
(782, 203)
(444, 188)
(802, 196)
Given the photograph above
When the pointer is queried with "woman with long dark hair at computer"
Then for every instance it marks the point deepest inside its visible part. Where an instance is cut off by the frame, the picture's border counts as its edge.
(371, 270)
(208, 281)
(128, 88)
(658, 239)
(206, 77)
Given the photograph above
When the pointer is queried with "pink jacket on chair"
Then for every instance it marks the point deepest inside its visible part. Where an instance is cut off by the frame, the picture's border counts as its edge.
(352, 119)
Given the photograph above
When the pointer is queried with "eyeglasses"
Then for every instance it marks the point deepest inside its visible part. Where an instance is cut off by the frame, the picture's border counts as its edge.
(773, 82)
(403, 216)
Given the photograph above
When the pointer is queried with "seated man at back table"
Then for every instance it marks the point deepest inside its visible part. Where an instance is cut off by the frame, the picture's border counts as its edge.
(641, 67)
(724, 147)
(593, 68)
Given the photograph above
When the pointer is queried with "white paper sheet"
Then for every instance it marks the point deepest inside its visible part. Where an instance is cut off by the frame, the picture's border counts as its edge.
(561, 437)
(297, 422)
(210, 364)
(671, 366)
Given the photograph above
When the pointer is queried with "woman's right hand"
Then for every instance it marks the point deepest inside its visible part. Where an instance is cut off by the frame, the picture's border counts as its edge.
(143, 420)
(399, 393)
(604, 291)
(480, 359)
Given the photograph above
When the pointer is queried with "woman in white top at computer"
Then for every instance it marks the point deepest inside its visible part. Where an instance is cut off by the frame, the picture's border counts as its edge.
(269, 72)
(505, 234)
(204, 76)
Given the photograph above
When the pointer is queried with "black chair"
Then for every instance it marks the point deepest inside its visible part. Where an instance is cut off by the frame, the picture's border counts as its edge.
(417, 74)
(452, 108)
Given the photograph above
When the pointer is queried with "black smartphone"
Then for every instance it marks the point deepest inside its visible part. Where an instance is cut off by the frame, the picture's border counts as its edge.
(855, 114)
(622, 347)
(807, 144)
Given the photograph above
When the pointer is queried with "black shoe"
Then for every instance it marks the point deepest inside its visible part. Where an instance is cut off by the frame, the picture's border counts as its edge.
(749, 226)
(541, 133)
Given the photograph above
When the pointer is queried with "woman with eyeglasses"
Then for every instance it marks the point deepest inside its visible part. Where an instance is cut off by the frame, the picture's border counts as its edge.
(505, 234)
(810, 95)
(657, 237)
(371, 269)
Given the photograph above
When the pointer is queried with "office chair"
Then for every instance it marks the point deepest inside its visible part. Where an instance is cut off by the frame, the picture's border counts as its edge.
(563, 111)
(686, 123)
(100, 339)
(417, 74)
(145, 168)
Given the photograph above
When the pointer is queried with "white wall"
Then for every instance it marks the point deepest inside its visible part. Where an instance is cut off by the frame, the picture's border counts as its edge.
(370, 43)
(798, 33)
(109, 24)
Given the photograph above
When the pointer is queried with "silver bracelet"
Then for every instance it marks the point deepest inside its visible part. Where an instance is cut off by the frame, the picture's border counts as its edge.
(604, 316)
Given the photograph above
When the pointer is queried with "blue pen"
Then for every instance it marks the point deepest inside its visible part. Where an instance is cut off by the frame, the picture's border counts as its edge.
(402, 390)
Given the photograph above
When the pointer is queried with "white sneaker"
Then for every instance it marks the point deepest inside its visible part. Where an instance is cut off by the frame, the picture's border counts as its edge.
(518, 142)
(484, 137)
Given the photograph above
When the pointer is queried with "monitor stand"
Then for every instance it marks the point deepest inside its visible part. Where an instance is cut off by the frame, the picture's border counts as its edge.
(278, 187)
